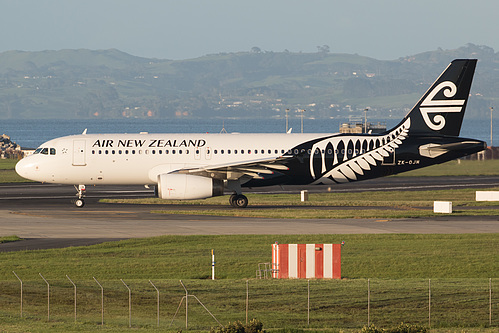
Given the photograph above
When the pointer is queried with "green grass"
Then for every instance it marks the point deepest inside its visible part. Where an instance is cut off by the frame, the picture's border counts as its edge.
(8, 164)
(7, 239)
(188, 257)
(398, 267)
(7, 172)
(381, 204)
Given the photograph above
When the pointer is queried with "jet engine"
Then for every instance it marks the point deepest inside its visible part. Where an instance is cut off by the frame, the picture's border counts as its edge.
(175, 186)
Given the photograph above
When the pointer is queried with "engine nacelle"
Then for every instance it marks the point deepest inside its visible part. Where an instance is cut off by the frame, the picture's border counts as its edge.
(176, 186)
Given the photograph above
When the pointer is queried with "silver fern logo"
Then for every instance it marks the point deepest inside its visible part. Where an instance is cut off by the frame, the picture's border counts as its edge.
(362, 161)
(431, 106)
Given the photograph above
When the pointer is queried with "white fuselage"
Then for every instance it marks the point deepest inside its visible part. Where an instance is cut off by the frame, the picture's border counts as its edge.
(94, 159)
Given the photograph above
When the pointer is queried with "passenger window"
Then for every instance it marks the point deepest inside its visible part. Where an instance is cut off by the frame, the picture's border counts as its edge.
(262, 151)
(93, 152)
(160, 152)
(167, 151)
(153, 151)
(180, 151)
(256, 151)
(221, 151)
(228, 151)
(187, 151)
(235, 151)
(215, 151)
(173, 151)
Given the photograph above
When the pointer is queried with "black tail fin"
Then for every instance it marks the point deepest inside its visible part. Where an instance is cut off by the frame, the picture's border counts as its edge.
(441, 109)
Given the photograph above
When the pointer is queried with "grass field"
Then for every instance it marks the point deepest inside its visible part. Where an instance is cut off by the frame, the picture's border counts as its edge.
(7, 172)
(376, 204)
(398, 267)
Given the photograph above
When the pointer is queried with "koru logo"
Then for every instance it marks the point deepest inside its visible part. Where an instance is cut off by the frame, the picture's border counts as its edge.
(430, 106)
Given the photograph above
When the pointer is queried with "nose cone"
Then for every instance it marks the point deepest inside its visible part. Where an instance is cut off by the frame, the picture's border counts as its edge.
(27, 168)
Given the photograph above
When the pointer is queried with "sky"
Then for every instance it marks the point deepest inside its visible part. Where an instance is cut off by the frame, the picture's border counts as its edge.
(184, 29)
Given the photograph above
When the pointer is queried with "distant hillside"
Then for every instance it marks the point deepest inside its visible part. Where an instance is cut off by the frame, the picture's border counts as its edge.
(112, 84)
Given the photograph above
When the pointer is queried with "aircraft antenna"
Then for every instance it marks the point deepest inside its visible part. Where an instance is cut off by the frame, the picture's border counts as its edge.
(223, 127)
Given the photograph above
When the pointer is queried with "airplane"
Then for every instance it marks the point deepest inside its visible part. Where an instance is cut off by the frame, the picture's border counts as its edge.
(199, 166)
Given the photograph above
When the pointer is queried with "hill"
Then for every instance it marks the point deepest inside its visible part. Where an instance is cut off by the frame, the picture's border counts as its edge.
(112, 84)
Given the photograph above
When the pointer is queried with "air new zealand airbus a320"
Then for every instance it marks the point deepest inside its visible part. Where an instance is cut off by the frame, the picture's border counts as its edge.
(197, 166)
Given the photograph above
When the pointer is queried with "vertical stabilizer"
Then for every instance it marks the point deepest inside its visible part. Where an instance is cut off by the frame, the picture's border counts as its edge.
(441, 109)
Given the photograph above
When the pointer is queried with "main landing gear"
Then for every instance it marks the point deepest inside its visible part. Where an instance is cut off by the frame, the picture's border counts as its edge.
(80, 194)
(238, 200)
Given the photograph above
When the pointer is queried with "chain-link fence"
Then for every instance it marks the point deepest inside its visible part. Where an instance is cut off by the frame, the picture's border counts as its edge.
(277, 303)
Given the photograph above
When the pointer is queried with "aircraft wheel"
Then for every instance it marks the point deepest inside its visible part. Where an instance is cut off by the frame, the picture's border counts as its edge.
(232, 200)
(240, 201)
(79, 203)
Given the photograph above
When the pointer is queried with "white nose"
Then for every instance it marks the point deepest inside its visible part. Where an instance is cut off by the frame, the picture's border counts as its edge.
(27, 168)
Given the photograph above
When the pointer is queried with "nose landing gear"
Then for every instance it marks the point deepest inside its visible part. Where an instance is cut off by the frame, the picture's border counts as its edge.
(80, 194)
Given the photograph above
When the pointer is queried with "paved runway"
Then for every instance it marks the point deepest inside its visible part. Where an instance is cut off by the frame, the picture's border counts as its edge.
(44, 216)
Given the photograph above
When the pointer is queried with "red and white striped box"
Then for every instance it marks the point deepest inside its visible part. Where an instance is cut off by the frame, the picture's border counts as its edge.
(306, 261)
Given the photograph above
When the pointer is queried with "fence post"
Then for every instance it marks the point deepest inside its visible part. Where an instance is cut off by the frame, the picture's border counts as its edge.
(212, 264)
(157, 291)
(21, 292)
(102, 301)
(368, 302)
(490, 301)
(429, 303)
(186, 304)
(308, 302)
(247, 300)
(129, 304)
(74, 285)
(48, 297)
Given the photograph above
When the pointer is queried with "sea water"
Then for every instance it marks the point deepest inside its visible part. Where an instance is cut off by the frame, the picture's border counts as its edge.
(31, 133)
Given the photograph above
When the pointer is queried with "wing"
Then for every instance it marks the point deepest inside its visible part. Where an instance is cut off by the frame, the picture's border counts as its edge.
(233, 171)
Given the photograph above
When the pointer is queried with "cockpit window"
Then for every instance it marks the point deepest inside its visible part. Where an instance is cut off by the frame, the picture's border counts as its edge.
(45, 151)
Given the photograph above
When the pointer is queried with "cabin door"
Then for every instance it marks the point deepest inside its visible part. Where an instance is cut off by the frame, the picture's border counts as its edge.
(79, 152)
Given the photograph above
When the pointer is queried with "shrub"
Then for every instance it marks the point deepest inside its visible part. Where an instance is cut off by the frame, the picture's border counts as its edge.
(254, 326)
(371, 329)
(405, 328)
